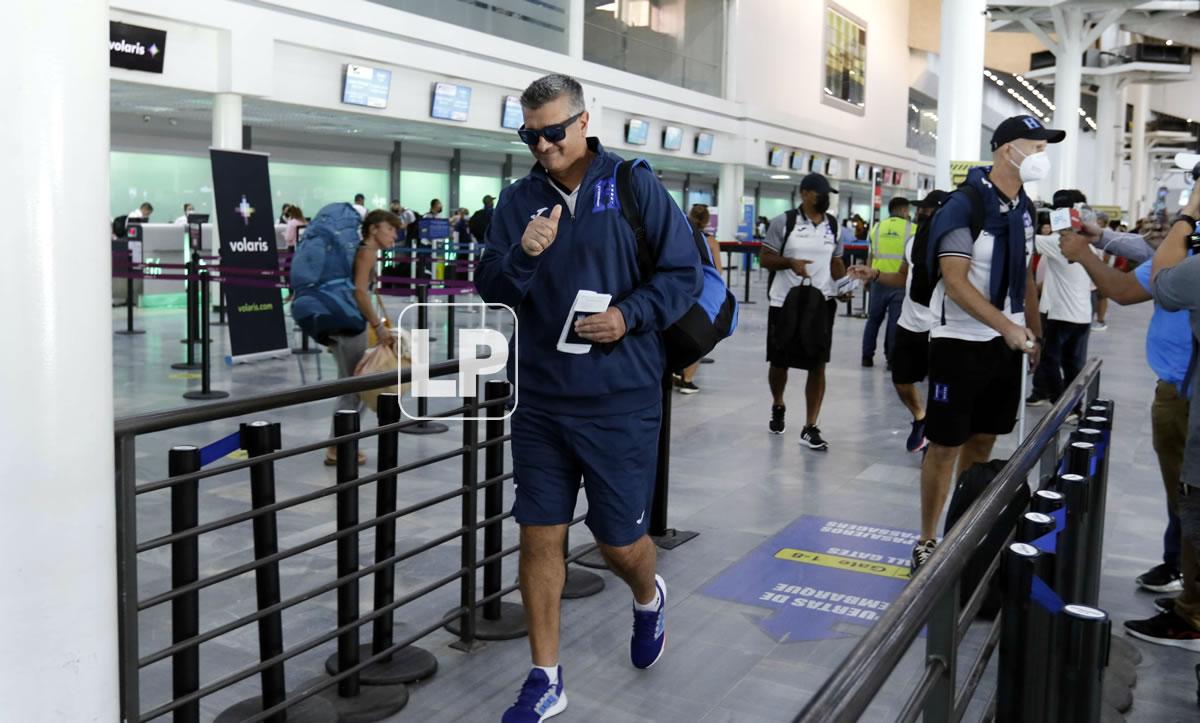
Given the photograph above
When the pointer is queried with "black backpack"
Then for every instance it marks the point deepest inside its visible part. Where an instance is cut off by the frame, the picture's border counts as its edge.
(790, 217)
(970, 487)
(714, 315)
(478, 225)
(926, 272)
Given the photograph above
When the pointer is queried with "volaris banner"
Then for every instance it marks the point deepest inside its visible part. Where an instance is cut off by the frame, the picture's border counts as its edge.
(245, 224)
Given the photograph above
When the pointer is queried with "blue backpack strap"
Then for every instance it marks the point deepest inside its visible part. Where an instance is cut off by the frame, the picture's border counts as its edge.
(627, 199)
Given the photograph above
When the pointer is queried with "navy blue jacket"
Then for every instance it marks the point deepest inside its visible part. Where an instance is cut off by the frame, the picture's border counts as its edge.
(595, 250)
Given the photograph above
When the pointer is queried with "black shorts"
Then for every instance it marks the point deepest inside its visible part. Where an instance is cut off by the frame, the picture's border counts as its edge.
(784, 355)
(974, 388)
(910, 356)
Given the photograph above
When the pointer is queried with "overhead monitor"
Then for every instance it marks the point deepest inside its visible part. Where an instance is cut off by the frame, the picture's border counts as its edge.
(704, 144)
(636, 132)
(775, 159)
(672, 138)
(366, 86)
(513, 117)
(799, 160)
(834, 168)
(451, 102)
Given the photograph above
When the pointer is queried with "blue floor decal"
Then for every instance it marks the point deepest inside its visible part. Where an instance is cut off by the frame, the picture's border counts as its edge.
(818, 573)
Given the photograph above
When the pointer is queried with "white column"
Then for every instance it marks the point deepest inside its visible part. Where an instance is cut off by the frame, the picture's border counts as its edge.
(960, 85)
(729, 88)
(1068, 74)
(1108, 134)
(575, 18)
(729, 200)
(1138, 164)
(227, 121)
(58, 610)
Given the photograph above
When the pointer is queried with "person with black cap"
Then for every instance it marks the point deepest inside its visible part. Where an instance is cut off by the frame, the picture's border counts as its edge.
(910, 354)
(978, 242)
(802, 249)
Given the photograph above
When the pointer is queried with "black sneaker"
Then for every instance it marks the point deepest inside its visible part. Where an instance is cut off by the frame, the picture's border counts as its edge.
(921, 553)
(1165, 629)
(1161, 578)
(777, 423)
(868, 361)
(1037, 400)
(688, 388)
(811, 436)
(1164, 604)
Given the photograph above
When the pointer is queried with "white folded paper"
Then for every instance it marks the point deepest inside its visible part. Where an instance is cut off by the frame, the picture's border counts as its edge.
(586, 304)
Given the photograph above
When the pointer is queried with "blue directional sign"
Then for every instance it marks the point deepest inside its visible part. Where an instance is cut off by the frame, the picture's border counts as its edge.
(432, 229)
(820, 578)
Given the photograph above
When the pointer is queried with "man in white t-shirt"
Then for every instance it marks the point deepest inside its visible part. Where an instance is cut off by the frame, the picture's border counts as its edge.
(1066, 307)
(141, 212)
(802, 247)
(985, 312)
(910, 352)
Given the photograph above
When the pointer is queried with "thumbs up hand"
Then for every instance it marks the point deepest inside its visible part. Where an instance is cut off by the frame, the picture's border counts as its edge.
(540, 232)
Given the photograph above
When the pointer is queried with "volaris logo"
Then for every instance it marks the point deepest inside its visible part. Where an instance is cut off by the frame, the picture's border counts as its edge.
(124, 46)
(245, 245)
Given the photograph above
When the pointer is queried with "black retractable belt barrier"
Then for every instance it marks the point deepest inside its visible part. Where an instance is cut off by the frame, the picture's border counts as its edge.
(1096, 427)
(1018, 567)
(451, 334)
(129, 330)
(425, 426)
(1034, 525)
(1046, 501)
(189, 363)
(465, 625)
(304, 348)
(1071, 546)
(410, 663)
(1083, 641)
(664, 536)
(350, 700)
(258, 439)
(206, 391)
(185, 569)
(499, 620)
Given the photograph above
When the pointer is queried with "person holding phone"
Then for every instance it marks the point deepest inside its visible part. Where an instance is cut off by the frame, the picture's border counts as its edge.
(594, 415)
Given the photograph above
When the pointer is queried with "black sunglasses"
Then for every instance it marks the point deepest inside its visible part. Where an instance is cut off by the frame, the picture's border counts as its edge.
(554, 133)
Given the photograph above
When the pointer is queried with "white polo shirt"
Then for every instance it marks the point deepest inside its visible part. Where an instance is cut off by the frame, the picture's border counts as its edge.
(1067, 290)
(913, 316)
(816, 242)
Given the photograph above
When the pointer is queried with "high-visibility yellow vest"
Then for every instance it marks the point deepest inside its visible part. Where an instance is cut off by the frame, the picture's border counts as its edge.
(887, 243)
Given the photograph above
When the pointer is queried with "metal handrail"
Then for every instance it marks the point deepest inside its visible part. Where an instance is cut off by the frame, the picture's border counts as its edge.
(848, 692)
(184, 416)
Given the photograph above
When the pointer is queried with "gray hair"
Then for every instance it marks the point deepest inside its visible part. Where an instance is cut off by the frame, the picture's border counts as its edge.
(549, 88)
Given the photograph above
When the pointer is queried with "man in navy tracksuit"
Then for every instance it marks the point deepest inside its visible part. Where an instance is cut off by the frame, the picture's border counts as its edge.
(595, 416)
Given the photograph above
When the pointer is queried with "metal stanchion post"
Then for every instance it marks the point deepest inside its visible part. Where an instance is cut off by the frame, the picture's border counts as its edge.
(1096, 429)
(1071, 547)
(1046, 501)
(258, 439)
(220, 307)
(467, 621)
(664, 536)
(409, 663)
(190, 363)
(1033, 526)
(424, 426)
(206, 390)
(1085, 635)
(1018, 566)
(129, 330)
(185, 569)
(498, 620)
(451, 336)
(350, 700)
(304, 348)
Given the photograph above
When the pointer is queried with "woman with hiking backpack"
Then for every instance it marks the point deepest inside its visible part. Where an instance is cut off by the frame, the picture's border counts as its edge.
(379, 230)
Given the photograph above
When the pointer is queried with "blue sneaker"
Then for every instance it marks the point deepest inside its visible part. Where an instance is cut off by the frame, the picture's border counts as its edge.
(538, 700)
(649, 631)
(916, 438)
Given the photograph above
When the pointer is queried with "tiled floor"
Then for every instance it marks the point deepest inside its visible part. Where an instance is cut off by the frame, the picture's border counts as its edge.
(730, 481)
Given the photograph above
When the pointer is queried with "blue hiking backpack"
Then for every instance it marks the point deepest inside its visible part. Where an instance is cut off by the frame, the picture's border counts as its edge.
(322, 276)
(713, 317)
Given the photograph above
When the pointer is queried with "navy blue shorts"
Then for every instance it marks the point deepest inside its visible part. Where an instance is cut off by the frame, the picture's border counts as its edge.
(615, 455)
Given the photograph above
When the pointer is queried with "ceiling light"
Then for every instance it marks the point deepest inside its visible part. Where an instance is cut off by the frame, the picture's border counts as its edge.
(517, 143)
(1020, 78)
(999, 82)
(1082, 112)
(1170, 42)
(781, 177)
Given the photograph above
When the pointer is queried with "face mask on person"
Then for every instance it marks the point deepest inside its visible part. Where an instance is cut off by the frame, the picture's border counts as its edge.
(821, 202)
(1033, 166)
